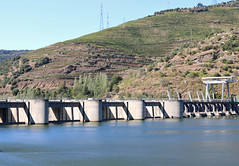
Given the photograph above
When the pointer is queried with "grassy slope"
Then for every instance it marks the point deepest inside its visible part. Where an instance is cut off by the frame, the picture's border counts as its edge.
(156, 35)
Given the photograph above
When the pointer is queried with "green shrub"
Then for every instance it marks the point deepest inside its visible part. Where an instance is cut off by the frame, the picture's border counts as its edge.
(42, 61)
(115, 80)
(164, 82)
(24, 60)
(209, 47)
(230, 70)
(25, 69)
(225, 68)
(230, 62)
(203, 72)
(224, 61)
(193, 74)
(216, 74)
(14, 82)
(161, 74)
(227, 74)
(15, 92)
(182, 55)
(150, 68)
(186, 72)
(156, 69)
(227, 61)
(168, 65)
(190, 63)
(218, 38)
(234, 37)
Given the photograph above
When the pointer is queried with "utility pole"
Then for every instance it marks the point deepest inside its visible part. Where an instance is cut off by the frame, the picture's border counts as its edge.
(191, 34)
(212, 27)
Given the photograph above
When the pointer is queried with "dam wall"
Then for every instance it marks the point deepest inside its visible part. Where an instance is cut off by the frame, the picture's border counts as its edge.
(58, 111)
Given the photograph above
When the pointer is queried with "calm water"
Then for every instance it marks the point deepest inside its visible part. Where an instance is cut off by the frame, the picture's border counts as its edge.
(151, 142)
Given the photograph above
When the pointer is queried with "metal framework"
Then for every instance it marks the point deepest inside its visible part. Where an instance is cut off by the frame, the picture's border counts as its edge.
(101, 18)
(218, 80)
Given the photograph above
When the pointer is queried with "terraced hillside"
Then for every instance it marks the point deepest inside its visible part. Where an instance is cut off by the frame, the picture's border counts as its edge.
(120, 50)
(215, 56)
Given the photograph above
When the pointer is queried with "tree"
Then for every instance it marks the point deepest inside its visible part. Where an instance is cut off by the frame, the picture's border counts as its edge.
(200, 5)
(115, 81)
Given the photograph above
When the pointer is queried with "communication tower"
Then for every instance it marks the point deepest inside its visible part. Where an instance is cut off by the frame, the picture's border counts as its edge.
(214, 2)
(124, 23)
(101, 19)
(108, 24)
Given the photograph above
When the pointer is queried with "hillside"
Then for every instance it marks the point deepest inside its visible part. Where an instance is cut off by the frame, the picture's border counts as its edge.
(4, 54)
(215, 56)
(121, 50)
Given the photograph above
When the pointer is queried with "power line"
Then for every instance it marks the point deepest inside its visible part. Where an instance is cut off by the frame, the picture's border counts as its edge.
(101, 19)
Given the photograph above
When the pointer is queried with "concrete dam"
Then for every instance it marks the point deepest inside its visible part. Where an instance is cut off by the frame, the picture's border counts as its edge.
(49, 111)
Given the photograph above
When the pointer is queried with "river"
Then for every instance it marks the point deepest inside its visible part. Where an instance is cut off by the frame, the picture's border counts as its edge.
(195, 142)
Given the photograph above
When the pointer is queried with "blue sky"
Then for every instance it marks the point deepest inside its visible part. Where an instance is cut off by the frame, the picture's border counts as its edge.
(33, 24)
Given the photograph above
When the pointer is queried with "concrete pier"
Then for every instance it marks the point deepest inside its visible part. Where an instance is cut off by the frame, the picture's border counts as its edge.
(135, 109)
(39, 111)
(173, 108)
(92, 110)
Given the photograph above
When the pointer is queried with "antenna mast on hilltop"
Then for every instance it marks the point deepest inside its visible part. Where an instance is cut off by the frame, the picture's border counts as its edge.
(214, 2)
(101, 19)
(168, 4)
(124, 23)
(108, 24)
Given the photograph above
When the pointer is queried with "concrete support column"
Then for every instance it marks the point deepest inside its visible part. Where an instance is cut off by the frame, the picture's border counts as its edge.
(228, 91)
(136, 109)
(215, 109)
(223, 88)
(39, 111)
(92, 110)
(207, 92)
(174, 109)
